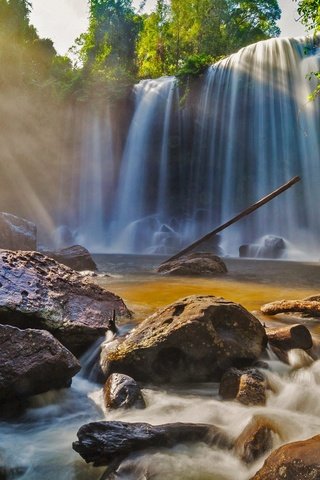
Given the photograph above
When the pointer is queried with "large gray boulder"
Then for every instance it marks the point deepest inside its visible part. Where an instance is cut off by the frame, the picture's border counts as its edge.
(194, 339)
(17, 233)
(37, 292)
(32, 362)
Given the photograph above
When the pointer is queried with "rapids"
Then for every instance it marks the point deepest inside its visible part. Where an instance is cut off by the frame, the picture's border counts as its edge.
(37, 444)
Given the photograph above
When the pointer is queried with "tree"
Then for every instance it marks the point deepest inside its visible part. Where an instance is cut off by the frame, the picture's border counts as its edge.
(251, 21)
(309, 11)
(153, 47)
(108, 48)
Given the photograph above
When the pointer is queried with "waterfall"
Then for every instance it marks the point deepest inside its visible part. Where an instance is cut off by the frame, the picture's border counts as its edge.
(188, 166)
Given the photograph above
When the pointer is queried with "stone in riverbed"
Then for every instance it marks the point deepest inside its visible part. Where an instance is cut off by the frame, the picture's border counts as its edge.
(37, 292)
(256, 439)
(76, 257)
(122, 391)
(195, 339)
(32, 362)
(248, 386)
(205, 264)
(293, 461)
(104, 442)
(17, 233)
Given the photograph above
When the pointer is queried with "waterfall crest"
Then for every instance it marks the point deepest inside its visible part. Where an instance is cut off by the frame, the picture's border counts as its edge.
(186, 167)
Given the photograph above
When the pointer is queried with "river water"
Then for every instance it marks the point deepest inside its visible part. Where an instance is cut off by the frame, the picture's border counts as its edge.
(37, 444)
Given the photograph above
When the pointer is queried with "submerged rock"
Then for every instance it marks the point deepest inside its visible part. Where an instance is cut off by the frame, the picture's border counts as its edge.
(121, 391)
(76, 257)
(256, 439)
(194, 339)
(247, 386)
(293, 461)
(269, 247)
(32, 362)
(17, 233)
(194, 264)
(103, 442)
(37, 292)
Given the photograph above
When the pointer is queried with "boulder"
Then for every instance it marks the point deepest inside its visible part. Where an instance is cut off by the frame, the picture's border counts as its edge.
(76, 257)
(256, 439)
(37, 292)
(103, 442)
(17, 233)
(194, 339)
(269, 246)
(289, 337)
(293, 461)
(195, 264)
(121, 391)
(247, 386)
(32, 362)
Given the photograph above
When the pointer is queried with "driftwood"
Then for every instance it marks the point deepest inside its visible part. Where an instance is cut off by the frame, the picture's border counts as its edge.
(104, 442)
(235, 219)
(289, 337)
(312, 308)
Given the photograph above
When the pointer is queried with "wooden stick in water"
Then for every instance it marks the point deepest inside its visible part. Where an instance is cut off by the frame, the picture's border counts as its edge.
(235, 219)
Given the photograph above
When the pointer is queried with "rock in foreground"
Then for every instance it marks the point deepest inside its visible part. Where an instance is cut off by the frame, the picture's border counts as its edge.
(32, 362)
(293, 461)
(17, 233)
(205, 264)
(37, 292)
(76, 257)
(194, 339)
(247, 386)
(103, 442)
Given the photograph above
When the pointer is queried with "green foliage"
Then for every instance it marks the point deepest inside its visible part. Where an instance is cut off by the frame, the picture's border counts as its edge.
(194, 66)
(309, 11)
(181, 29)
(107, 51)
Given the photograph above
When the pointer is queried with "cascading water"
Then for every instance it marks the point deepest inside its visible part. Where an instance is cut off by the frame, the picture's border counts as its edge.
(252, 130)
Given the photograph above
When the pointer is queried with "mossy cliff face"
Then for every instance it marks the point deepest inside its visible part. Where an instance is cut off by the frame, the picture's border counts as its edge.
(194, 339)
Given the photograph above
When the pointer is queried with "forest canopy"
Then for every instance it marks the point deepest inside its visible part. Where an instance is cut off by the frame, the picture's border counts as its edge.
(123, 45)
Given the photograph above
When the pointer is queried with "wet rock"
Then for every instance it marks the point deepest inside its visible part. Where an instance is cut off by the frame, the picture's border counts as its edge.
(247, 386)
(37, 292)
(102, 442)
(17, 233)
(309, 307)
(76, 257)
(270, 247)
(32, 362)
(289, 337)
(256, 439)
(195, 264)
(122, 391)
(293, 461)
(194, 339)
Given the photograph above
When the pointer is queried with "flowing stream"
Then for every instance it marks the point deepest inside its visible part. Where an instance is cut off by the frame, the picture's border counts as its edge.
(37, 444)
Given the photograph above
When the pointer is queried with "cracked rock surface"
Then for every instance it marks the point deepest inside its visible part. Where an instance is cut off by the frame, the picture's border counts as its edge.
(37, 292)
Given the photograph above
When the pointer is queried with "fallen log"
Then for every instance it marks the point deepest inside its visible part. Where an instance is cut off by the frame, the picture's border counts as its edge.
(311, 308)
(289, 337)
(235, 219)
(101, 443)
